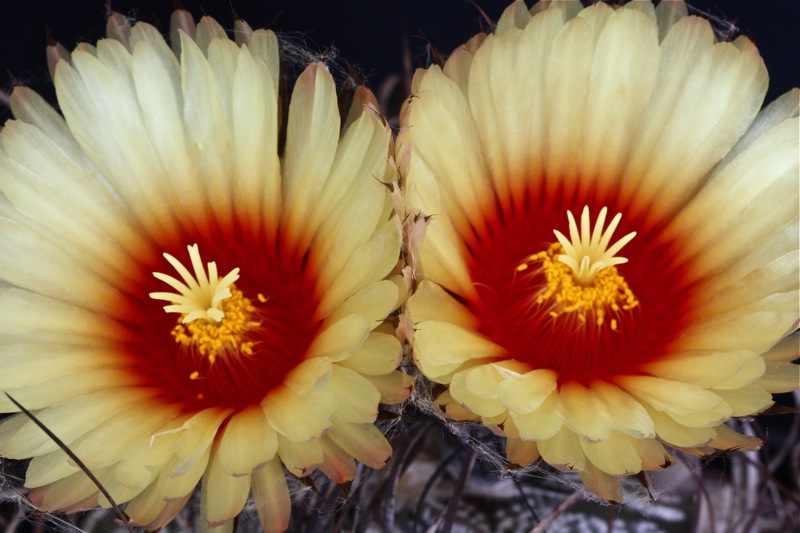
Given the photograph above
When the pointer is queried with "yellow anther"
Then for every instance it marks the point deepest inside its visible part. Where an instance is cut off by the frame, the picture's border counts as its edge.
(261, 298)
(215, 316)
(580, 274)
(608, 292)
(215, 339)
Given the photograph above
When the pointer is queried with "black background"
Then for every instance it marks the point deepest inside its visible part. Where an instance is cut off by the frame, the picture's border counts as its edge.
(369, 34)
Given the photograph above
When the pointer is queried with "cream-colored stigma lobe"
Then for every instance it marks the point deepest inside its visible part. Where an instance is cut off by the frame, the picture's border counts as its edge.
(586, 252)
(204, 300)
(199, 296)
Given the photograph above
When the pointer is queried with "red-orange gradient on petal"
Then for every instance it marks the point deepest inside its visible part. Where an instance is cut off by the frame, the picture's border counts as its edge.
(579, 351)
(286, 309)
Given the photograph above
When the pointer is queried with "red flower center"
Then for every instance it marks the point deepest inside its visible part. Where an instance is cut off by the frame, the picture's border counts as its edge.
(626, 316)
(269, 325)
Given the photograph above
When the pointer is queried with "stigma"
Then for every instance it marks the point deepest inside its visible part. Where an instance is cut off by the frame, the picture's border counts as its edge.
(578, 276)
(587, 252)
(215, 317)
(199, 296)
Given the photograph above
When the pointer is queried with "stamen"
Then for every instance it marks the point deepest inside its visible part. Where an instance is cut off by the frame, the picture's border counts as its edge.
(204, 300)
(607, 295)
(579, 274)
(586, 252)
(229, 337)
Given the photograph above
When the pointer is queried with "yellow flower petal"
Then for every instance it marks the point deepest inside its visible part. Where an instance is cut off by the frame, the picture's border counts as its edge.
(126, 430)
(521, 452)
(339, 339)
(49, 467)
(441, 111)
(150, 508)
(300, 459)
(540, 424)
(747, 399)
(474, 387)
(380, 354)
(75, 492)
(606, 486)
(667, 14)
(690, 404)
(255, 132)
(621, 411)
(20, 437)
(615, 455)
(576, 405)
(710, 370)
(563, 448)
(337, 464)
(446, 346)
(247, 442)
(677, 434)
(375, 302)
(179, 477)
(313, 128)
(431, 302)
(526, 392)
(282, 408)
(453, 409)
(142, 463)
(729, 440)
(355, 397)
(271, 496)
(198, 433)
(515, 15)
(363, 441)
(225, 494)
(309, 376)
(394, 387)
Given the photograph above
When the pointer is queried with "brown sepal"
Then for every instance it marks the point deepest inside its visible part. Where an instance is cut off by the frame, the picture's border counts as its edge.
(346, 487)
(308, 481)
(776, 409)
(641, 477)
(486, 18)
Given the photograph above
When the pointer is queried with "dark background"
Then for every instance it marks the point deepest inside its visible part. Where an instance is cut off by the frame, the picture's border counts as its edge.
(368, 34)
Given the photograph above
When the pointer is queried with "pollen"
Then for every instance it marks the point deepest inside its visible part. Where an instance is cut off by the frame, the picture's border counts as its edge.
(606, 296)
(215, 316)
(580, 275)
(227, 337)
